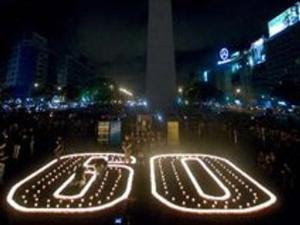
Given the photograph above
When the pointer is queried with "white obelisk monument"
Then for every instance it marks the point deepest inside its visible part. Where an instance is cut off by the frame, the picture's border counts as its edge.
(161, 72)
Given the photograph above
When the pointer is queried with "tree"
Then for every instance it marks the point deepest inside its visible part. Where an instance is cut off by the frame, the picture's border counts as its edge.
(6, 93)
(287, 90)
(71, 93)
(202, 91)
(100, 91)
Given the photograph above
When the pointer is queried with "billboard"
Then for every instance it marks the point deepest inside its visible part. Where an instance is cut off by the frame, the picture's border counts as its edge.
(288, 18)
(103, 131)
(115, 133)
(257, 52)
(173, 133)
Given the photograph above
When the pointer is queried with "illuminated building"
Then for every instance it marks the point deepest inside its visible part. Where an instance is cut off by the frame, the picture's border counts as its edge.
(2, 71)
(75, 70)
(30, 61)
(283, 21)
(27, 63)
(278, 55)
(257, 61)
(257, 52)
(268, 63)
(283, 49)
(232, 72)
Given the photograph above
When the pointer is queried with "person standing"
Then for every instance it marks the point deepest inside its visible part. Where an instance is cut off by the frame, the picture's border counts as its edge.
(16, 142)
(100, 167)
(127, 148)
(80, 178)
(24, 155)
(32, 141)
(139, 151)
(3, 153)
(59, 148)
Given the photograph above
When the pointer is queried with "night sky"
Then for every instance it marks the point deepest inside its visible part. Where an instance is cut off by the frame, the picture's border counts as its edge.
(113, 33)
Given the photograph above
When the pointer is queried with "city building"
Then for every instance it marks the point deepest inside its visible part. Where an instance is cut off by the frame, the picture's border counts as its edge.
(267, 65)
(75, 71)
(276, 59)
(31, 66)
(232, 75)
(2, 72)
(27, 63)
(283, 49)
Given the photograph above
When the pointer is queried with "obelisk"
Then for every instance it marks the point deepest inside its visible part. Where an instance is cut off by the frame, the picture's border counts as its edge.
(161, 72)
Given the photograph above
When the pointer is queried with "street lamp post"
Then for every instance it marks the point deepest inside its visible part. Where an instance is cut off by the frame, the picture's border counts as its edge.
(180, 90)
(238, 91)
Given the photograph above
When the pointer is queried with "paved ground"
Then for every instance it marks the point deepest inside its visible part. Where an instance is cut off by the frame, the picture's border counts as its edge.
(142, 208)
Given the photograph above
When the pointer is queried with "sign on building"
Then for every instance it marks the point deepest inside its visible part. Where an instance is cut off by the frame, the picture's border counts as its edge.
(288, 18)
(103, 132)
(115, 133)
(173, 133)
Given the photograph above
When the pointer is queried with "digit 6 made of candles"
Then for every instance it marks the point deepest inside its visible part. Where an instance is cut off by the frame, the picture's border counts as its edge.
(76, 183)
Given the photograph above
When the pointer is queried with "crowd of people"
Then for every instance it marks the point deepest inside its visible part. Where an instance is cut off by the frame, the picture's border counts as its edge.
(279, 153)
(275, 144)
(26, 137)
(141, 140)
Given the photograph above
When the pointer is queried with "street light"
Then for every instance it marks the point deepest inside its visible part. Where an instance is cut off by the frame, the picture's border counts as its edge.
(111, 87)
(126, 92)
(36, 85)
(238, 90)
(59, 88)
(180, 90)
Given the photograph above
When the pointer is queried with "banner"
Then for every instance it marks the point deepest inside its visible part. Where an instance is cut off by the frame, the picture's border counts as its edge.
(143, 121)
(173, 133)
(115, 133)
(103, 131)
(144, 117)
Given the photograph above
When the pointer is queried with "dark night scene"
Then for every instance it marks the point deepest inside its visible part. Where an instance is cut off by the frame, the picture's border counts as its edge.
(149, 112)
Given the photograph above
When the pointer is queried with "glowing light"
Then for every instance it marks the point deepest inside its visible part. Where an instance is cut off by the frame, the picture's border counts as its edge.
(282, 103)
(125, 91)
(236, 54)
(118, 220)
(180, 90)
(237, 102)
(225, 61)
(159, 117)
(219, 169)
(259, 42)
(205, 76)
(196, 185)
(287, 18)
(224, 54)
(63, 167)
(57, 193)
